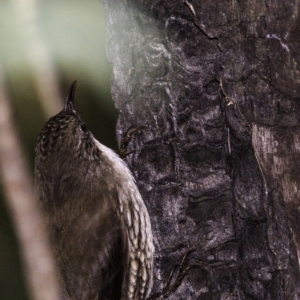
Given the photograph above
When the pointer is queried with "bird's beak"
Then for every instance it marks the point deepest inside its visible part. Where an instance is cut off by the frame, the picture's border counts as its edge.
(69, 105)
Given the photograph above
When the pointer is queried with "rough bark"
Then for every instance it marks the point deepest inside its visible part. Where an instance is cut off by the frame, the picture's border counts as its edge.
(216, 83)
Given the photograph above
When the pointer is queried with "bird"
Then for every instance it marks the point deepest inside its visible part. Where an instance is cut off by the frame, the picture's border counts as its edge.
(98, 223)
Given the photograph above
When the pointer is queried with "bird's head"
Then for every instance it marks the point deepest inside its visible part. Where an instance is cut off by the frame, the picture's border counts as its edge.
(65, 132)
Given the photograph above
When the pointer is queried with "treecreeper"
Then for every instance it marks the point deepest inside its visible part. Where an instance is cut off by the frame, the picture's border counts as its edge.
(98, 224)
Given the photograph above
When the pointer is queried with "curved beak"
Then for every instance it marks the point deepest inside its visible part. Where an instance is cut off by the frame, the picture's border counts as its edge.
(70, 105)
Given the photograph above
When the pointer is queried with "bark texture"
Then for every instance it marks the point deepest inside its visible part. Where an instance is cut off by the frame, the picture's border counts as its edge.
(217, 85)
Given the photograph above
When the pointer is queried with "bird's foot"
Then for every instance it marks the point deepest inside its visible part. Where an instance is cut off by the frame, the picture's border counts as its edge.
(126, 138)
(174, 281)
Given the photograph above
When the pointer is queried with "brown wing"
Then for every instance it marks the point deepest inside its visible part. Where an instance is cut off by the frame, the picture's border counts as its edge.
(91, 250)
(116, 262)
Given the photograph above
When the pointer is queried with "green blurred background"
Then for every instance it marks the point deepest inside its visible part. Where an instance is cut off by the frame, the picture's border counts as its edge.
(73, 32)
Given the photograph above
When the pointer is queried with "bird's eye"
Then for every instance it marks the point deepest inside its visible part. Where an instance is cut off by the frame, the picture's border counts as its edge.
(83, 128)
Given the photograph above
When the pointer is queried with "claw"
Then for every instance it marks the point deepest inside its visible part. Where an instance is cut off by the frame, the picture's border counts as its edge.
(126, 138)
(168, 289)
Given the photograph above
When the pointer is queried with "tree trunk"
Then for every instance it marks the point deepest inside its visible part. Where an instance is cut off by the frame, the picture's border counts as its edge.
(217, 85)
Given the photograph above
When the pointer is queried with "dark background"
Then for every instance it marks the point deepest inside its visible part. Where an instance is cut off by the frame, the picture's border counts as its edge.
(74, 34)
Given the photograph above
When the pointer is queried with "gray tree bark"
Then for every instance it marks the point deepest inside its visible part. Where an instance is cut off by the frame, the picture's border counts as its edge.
(217, 85)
